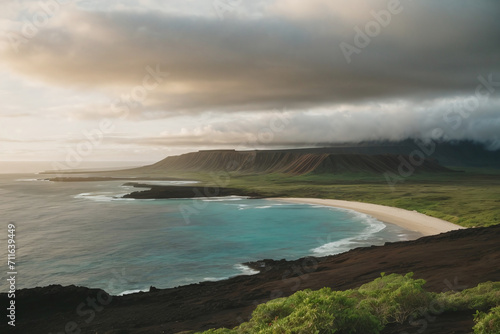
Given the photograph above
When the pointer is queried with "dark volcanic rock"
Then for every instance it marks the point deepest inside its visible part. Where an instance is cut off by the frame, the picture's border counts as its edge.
(159, 192)
(453, 260)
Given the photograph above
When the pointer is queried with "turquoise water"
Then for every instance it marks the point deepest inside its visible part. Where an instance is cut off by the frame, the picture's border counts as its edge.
(84, 234)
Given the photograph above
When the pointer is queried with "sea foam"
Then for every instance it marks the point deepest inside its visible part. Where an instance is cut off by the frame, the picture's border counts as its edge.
(372, 224)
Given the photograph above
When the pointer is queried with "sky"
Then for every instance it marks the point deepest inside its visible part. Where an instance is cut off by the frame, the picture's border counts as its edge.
(141, 80)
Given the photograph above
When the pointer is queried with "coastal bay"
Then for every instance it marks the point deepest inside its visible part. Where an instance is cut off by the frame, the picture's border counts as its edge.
(411, 220)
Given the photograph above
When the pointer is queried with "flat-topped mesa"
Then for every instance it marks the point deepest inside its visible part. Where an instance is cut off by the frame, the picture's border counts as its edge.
(291, 162)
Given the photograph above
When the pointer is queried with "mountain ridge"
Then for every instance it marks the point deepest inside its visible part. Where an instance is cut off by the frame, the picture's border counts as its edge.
(291, 162)
(365, 157)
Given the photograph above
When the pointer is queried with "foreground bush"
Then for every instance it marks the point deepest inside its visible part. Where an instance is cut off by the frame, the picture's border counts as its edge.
(487, 323)
(322, 311)
(481, 297)
(394, 298)
(387, 299)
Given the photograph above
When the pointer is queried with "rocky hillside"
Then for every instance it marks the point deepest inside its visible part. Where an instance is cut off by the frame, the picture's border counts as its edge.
(295, 162)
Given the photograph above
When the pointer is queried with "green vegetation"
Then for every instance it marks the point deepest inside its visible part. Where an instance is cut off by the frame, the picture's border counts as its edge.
(469, 198)
(487, 323)
(389, 299)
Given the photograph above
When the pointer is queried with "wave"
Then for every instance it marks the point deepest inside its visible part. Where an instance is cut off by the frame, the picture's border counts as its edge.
(103, 196)
(373, 226)
(245, 270)
(250, 207)
(32, 180)
(335, 247)
(164, 183)
(129, 292)
(214, 279)
(224, 198)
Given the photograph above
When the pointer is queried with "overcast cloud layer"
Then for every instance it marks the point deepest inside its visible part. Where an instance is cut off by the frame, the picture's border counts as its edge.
(430, 69)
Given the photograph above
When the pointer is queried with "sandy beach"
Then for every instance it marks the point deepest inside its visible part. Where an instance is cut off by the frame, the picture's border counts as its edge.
(410, 220)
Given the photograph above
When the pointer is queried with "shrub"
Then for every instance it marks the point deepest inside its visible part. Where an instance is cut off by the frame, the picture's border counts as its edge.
(322, 311)
(482, 297)
(391, 298)
(395, 297)
(487, 323)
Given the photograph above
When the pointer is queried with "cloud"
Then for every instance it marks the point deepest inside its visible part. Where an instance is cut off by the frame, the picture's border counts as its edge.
(15, 115)
(271, 55)
(344, 124)
(24, 140)
(430, 49)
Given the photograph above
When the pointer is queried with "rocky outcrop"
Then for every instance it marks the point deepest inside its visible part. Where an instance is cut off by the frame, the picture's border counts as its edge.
(164, 192)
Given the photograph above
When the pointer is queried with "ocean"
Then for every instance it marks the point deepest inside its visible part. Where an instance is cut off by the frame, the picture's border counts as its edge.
(83, 233)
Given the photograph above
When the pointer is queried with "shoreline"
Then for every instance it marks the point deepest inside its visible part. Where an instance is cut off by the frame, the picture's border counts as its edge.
(410, 220)
(469, 255)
